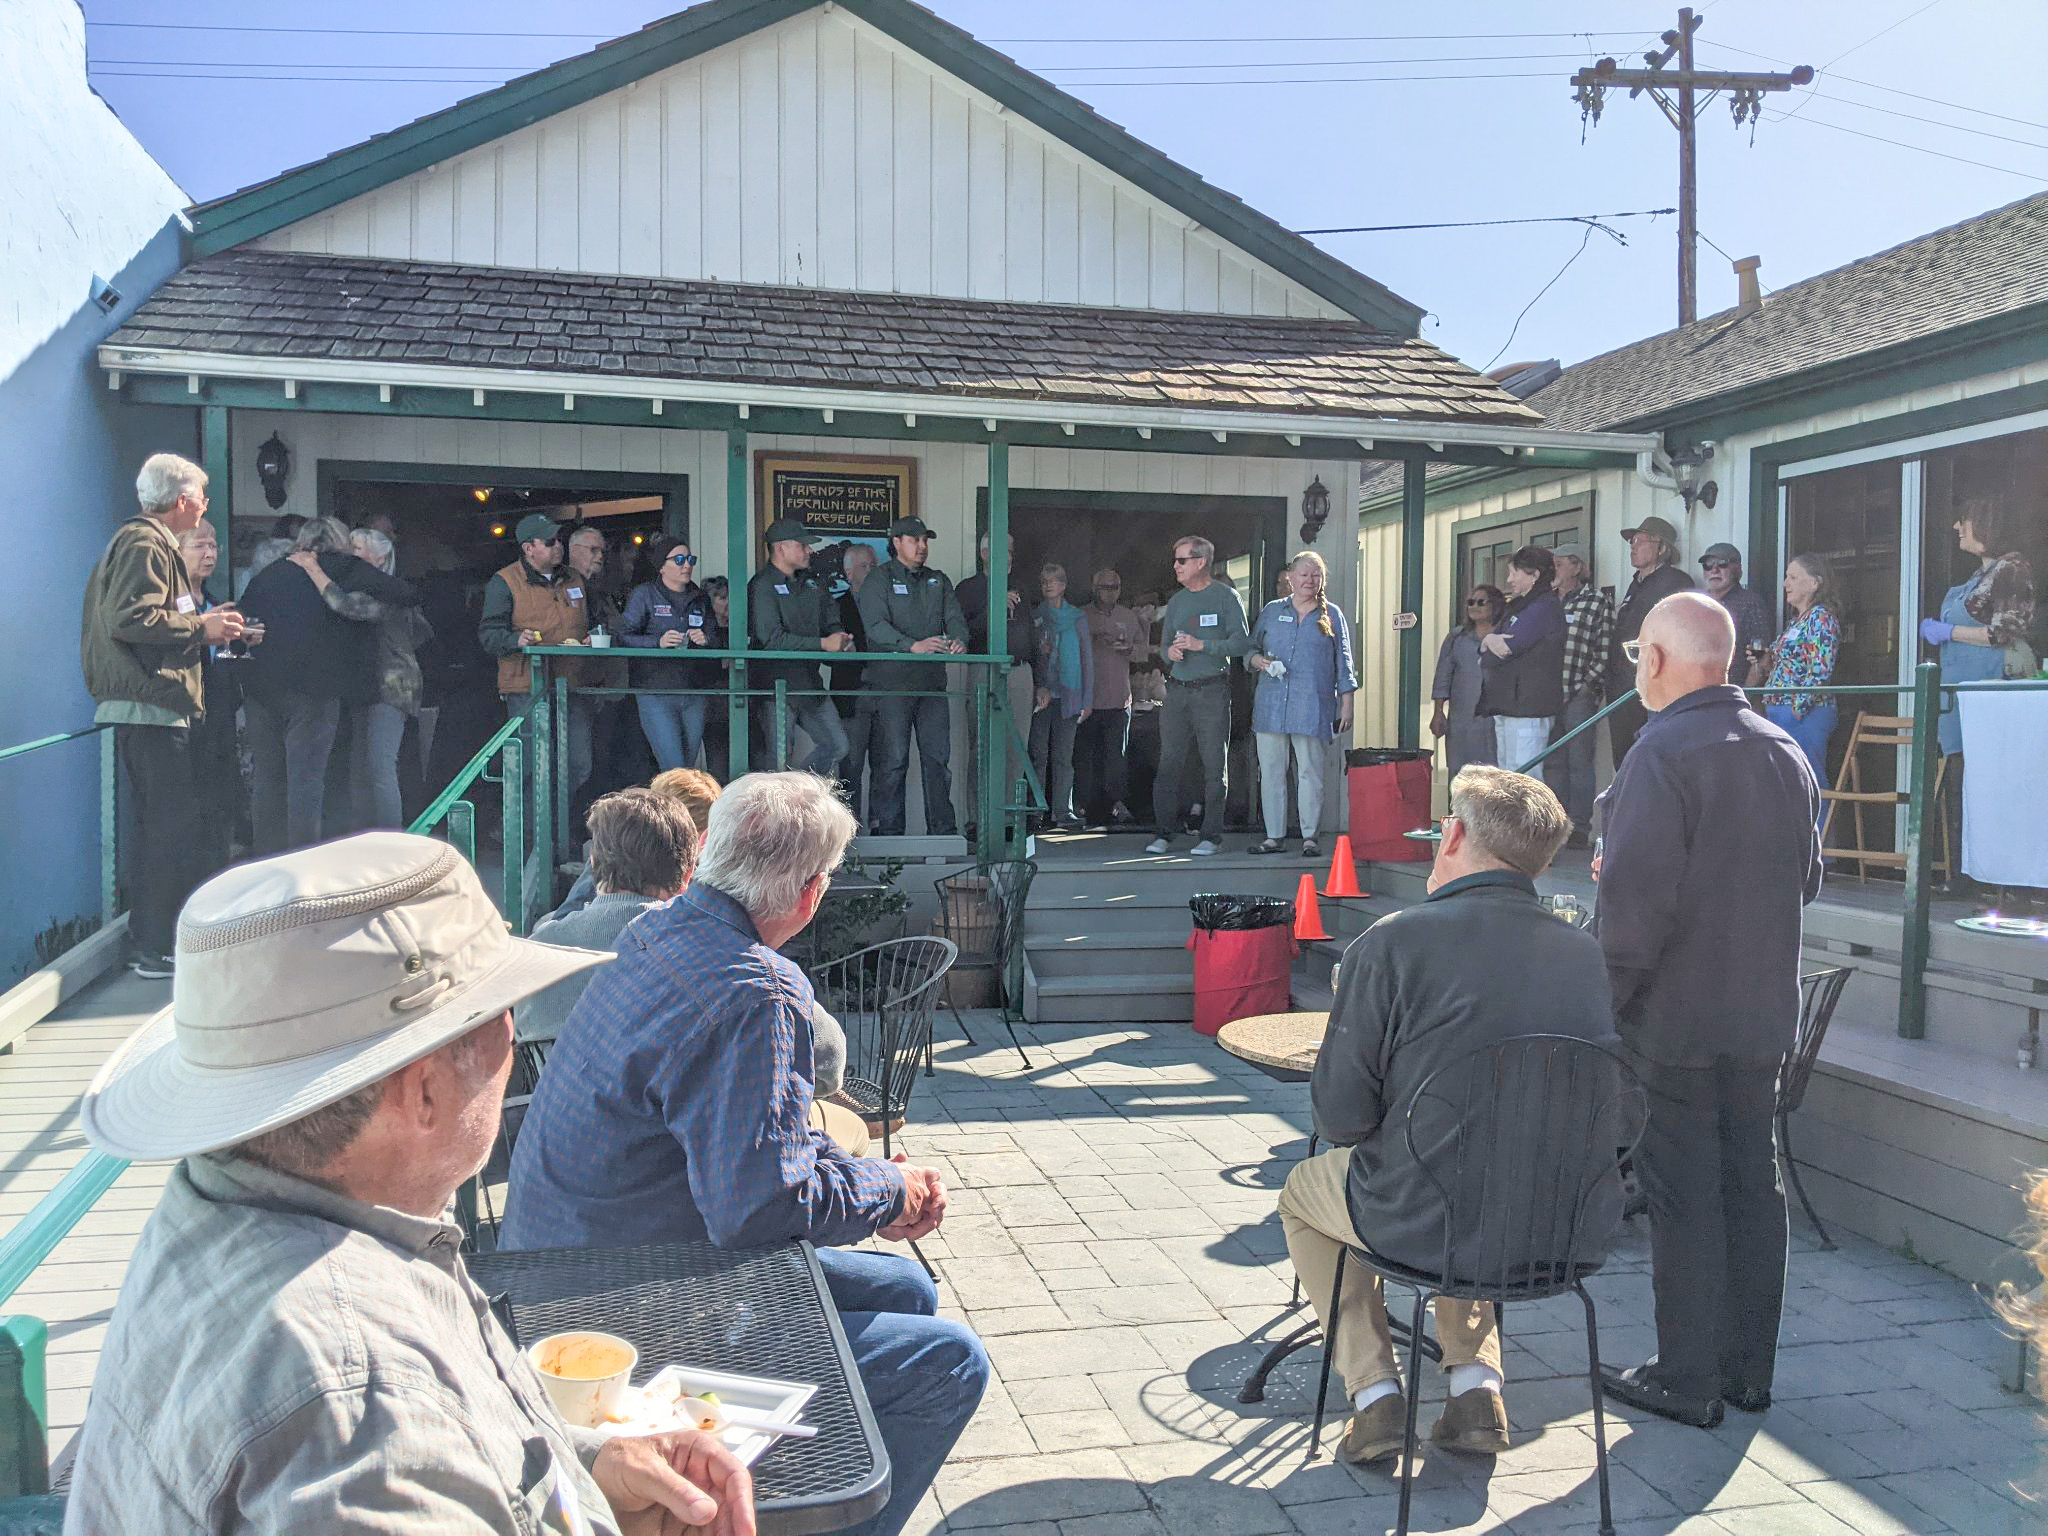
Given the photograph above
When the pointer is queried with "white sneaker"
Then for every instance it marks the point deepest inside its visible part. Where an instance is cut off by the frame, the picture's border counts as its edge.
(1157, 845)
(1203, 849)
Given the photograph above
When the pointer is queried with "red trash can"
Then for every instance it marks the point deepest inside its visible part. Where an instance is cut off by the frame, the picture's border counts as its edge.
(1389, 790)
(1241, 970)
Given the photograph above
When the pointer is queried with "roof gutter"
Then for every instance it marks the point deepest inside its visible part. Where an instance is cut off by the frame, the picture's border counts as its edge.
(1366, 431)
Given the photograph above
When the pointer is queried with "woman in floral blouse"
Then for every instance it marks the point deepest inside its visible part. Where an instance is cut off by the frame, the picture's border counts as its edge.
(1803, 657)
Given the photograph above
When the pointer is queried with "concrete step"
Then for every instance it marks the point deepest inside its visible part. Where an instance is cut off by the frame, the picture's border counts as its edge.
(1151, 951)
(1126, 997)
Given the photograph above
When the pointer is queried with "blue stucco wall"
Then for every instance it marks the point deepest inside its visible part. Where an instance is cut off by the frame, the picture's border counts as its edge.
(78, 198)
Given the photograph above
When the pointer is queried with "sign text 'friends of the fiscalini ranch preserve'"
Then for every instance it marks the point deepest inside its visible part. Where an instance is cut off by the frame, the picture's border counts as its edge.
(828, 502)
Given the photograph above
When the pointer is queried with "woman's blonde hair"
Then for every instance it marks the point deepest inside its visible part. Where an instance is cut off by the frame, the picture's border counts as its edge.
(1322, 570)
(693, 786)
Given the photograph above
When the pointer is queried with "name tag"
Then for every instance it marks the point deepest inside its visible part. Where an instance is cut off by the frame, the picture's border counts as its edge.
(1208, 621)
(575, 594)
(902, 590)
(663, 611)
(781, 589)
(1283, 618)
(185, 603)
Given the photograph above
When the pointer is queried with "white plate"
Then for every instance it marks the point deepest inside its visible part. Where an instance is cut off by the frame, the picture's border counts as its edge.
(782, 1400)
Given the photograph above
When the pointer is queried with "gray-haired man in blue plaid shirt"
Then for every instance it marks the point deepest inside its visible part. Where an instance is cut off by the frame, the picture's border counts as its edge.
(1588, 634)
(676, 1106)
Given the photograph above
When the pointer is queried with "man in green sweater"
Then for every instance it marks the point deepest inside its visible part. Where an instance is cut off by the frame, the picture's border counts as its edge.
(1203, 627)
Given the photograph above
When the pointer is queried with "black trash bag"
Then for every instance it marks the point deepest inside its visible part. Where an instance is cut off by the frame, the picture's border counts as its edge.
(1374, 757)
(1216, 910)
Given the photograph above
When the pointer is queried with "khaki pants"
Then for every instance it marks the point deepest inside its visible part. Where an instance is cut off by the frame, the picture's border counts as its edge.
(1318, 1225)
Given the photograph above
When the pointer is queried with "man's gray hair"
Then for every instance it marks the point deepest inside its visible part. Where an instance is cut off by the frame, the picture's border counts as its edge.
(375, 546)
(1199, 547)
(772, 834)
(321, 534)
(588, 532)
(1512, 817)
(163, 479)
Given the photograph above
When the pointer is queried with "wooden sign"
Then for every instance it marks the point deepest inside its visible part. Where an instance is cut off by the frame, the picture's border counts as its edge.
(834, 497)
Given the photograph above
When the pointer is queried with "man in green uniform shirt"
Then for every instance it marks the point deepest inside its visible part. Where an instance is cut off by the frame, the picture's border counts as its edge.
(906, 606)
(1202, 628)
(788, 610)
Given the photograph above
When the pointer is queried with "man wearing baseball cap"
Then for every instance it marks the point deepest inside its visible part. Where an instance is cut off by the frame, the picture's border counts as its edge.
(788, 609)
(298, 1345)
(906, 606)
(540, 600)
(1653, 551)
(1722, 567)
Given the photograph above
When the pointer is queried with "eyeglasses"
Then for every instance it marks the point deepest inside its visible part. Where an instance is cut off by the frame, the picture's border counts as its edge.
(1186, 559)
(1632, 651)
(682, 559)
(1478, 602)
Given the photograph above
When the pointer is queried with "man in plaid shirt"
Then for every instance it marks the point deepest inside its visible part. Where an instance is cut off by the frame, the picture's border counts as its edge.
(1588, 636)
(676, 1106)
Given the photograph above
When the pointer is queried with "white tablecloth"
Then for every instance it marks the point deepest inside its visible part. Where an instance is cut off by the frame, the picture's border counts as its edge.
(2005, 786)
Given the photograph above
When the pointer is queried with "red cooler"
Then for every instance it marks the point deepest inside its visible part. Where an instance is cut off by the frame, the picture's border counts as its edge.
(1390, 790)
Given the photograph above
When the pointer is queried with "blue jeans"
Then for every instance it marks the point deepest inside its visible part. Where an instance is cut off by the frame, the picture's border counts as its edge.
(1812, 733)
(674, 725)
(924, 1374)
(895, 716)
(818, 719)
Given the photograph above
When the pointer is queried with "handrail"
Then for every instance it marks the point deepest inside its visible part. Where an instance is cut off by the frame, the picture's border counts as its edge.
(22, 749)
(1578, 730)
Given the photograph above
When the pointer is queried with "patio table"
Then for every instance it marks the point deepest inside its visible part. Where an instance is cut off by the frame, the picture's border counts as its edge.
(759, 1312)
(1281, 1045)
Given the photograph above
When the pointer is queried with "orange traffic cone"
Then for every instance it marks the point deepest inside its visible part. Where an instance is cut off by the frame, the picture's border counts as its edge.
(1343, 879)
(1308, 916)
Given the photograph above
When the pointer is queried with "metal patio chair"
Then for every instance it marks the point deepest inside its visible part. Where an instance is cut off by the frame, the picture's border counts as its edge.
(884, 997)
(1820, 991)
(1519, 1140)
(983, 910)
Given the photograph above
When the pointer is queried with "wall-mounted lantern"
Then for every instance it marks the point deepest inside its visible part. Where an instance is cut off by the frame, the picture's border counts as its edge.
(273, 465)
(1315, 509)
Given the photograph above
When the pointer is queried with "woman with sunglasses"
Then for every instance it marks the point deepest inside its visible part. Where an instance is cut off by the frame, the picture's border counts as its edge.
(1468, 739)
(669, 613)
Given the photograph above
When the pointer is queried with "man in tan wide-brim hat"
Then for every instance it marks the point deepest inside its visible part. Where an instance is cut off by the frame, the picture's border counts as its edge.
(298, 1345)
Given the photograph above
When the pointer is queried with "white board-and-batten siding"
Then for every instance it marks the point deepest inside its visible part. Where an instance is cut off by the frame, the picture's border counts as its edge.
(817, 152)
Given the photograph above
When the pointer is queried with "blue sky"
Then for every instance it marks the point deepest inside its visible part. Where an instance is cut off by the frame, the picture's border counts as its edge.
(1374, 143)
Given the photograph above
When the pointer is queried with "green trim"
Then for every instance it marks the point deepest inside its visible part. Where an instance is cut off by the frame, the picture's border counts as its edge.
(417, 401)
(1191, 503)
(215, 437)
(267, 206)
(1510, 515)
(675, 488)
(1414, 534)
(1457, 489)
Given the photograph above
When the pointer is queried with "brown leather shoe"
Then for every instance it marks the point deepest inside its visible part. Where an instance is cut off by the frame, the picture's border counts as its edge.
(1376, 1434)
(1474, 1423)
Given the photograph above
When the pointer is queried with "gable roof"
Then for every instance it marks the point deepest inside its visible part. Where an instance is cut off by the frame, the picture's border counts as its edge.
(1982, 268)
(299, 305)
(296, 194)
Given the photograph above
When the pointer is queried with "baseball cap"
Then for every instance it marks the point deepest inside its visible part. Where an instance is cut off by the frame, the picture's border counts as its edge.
(303, 978)
(1570, 552)
(1726, 552)
(910, 528)
(538, 525)
(788, 528)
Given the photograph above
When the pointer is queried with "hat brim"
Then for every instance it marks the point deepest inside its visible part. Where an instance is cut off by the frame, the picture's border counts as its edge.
(149, 1104)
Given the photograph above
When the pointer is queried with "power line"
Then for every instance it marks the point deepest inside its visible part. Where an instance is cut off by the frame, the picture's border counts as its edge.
(1915, 117)
(1557, 218)
(1801, 105)
(1057, 69)
(165, 74)
(1517, 326)
(1381, 37)
(1891, 90)
(1821, 122)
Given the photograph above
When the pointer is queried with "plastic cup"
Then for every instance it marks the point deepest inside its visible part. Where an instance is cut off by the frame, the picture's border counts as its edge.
(586, 1374)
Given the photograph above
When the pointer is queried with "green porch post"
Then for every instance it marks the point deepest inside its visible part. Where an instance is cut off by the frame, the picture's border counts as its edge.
(1920, 827)
(739, 544)
(1413, 520)
(220, 484)
(994, 790)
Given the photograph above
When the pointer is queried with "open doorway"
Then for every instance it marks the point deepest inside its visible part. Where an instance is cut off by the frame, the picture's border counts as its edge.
(453, 528)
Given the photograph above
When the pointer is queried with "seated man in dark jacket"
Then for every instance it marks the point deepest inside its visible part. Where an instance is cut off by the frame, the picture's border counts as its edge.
(1478, 961)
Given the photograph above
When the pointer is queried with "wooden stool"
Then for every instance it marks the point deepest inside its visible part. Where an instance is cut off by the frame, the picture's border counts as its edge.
(1893, 731)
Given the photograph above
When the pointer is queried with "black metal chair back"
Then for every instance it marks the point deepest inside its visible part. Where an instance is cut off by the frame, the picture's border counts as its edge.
(1820, 991)
(884, 997)
(1522, 1141)
(982, 910)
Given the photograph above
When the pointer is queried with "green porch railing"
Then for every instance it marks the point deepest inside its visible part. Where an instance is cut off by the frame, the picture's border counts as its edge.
(998, 818)
(110, 830)
(454, 807)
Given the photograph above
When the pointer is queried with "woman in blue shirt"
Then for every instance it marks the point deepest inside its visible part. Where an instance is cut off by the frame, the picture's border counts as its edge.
(1063, 670)
(1301, 649)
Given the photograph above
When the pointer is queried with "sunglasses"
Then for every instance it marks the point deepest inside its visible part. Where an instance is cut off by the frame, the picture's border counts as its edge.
(1478, 602)
(1186, 559)
(1716, 565)
(682, 559)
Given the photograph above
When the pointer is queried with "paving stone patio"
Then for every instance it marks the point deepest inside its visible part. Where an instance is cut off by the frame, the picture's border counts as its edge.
(1112, 1235)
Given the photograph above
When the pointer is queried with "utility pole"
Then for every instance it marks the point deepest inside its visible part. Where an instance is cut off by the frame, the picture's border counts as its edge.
(1677, 94)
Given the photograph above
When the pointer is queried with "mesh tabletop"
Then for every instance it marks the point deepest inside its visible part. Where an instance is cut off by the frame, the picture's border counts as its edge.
(760, 1312)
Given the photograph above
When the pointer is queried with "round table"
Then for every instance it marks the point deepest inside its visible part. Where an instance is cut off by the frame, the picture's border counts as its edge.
(1281, 1045)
